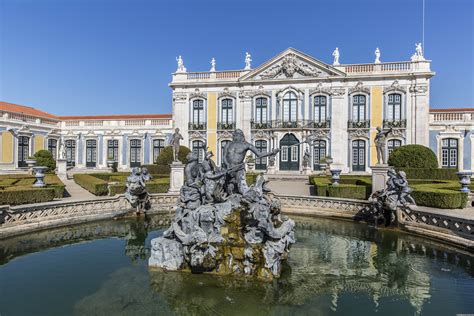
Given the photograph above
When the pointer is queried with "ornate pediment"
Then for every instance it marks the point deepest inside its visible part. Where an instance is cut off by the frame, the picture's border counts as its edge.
(394, 87)
(197, 94)
(292, 64)
(226, 93)
(359, 88)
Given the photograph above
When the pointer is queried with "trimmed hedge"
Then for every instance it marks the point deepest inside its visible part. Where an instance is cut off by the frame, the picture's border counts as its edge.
(93, 184)
(350, 187)
(413, 156)
(22, 195)
(428, 196)
(18, 189)
(154, 186)
(158, 169)
(430, 173)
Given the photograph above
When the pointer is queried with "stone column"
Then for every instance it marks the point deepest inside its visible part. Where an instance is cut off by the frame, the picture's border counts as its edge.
(379, 177)
(339, 136)
(176, 177)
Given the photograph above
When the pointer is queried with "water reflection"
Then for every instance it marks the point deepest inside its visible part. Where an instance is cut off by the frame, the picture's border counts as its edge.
(333, 267)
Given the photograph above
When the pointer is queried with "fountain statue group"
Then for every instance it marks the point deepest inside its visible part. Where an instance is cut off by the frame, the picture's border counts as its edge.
(221, 224)
(136, 193)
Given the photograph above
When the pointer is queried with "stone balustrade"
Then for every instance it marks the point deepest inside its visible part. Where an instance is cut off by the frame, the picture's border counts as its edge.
(455, 116)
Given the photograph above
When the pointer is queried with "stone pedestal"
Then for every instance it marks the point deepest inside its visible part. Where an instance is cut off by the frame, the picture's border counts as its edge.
(306, 171)
(61, 164)
(271, 170)
(176, 177)
(379, 177)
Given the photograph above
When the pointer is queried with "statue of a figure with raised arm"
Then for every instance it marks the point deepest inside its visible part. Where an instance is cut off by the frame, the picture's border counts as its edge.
(233, 161)
(380, 141)
(213, 65)
(248, 60)
(335, 54)
(175, 139)
(377, 56)
(180, 62)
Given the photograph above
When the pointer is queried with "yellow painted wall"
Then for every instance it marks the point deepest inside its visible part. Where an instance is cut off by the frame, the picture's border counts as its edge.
(39, 142)
(375, 119)
(7, 147)
(212, 122)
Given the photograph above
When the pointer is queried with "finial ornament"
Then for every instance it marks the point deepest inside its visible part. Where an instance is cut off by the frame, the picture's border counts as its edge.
(248, 60)
(213, 65)
(377, 56)
(336, 57)
(180, 62)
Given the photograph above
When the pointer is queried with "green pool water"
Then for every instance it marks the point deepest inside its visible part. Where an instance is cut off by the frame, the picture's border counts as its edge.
(335, 267)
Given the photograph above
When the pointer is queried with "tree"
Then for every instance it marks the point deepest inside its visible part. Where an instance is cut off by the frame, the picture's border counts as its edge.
(166, 155)
(45, 158)
(413, 156)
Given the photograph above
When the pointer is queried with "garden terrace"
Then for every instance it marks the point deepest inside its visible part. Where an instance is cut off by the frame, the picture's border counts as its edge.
(114, 183)
(18, 189)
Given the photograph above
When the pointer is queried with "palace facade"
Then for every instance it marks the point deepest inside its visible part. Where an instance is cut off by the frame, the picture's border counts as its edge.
(294, 96)
(282, 102)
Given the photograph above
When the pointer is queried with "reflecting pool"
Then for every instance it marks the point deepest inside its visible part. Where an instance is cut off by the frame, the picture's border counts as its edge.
(336, 267)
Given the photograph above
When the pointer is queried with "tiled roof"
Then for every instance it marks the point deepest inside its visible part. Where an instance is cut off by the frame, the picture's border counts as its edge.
(116, 117)
(453, 110)
(27, 110)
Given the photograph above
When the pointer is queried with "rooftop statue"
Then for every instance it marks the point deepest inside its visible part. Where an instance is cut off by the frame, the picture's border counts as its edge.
(213, 65)
(222, 225)
(136, 193)
(377, 56)
(418, 55)
(385, 203)
(335, 54)
(248, 60)
(180, 62)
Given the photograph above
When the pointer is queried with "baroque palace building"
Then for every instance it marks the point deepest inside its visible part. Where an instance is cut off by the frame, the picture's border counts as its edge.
(130, 140)
(278, 104)
(294, 96)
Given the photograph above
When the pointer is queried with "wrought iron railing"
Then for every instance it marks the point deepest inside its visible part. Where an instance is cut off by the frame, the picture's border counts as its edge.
(358, 124)
(197, 126)
(225, 126)
(394, 124)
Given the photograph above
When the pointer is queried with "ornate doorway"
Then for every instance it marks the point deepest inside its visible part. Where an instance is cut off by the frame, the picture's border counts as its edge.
(289, 154)
(23, 151)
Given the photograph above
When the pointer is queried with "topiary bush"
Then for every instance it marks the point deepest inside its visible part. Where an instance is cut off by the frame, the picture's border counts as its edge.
(413, 156)
(23, 195)
(428, 173)
(166, 155)
(45, 158)
(92, 184)
(158, 169)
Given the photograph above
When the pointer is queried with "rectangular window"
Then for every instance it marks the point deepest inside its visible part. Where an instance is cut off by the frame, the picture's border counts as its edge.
(112, 150)
(284, 153)
(294, 153)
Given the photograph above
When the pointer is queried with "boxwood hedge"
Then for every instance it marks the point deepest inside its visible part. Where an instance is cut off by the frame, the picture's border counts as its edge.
(18, 189)
(413, 156)
(91, 183)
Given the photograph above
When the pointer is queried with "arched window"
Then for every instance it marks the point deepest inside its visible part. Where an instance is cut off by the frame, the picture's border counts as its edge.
(23, 150)
(319, 152)
(198, 149)
(358, 108)
(394, 107)
(261, 163)
(135, 152)
(112, 149)
(227, 111)
(320, 108)
(392, 144)
(449, 153)
(261, 110)
(198, 112)
(223, 144)
(289, 107)
(358, 155)
(71, 152)
(52, 147)
(158, 145)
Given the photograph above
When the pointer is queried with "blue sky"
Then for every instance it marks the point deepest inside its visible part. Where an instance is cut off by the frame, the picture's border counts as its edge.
(114, 56)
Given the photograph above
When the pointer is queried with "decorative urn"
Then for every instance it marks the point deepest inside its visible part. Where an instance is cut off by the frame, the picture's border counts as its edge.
(464, 180)
(39, 175)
